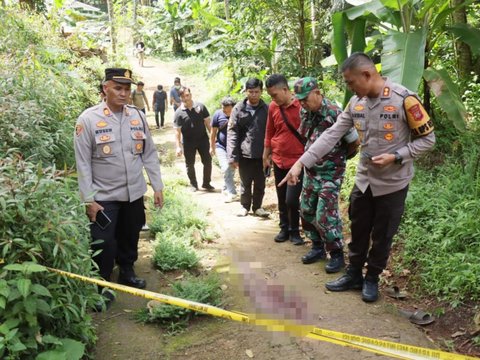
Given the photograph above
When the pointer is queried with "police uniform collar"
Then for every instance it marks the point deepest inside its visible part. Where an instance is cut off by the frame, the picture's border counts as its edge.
(387, 89)
(107, 112)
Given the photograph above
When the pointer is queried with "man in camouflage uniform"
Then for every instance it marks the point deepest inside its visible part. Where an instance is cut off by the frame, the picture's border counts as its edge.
(321, 182)
(394, 129)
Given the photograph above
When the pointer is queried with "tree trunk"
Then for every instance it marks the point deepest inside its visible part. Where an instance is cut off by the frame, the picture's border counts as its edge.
(113, 37)
(177, 43)
(426, 88)
(463, 53)
(301, 35)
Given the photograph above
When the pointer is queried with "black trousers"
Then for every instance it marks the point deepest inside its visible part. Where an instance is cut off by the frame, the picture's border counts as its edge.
(190, 149)
(120, 237)
(162, 116)
(288, 200)
(251, 172)
(377, 218)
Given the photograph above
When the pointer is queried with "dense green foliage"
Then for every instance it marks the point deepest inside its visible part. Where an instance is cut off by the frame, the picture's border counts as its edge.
(42, 222)
(42, 91)
(441, 232)
(43, 315)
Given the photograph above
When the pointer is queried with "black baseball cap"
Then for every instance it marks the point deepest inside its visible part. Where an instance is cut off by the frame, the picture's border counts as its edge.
(122, 76)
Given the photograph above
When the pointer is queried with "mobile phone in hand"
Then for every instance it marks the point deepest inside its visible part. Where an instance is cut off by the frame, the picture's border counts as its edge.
(366, 155)
(267, 171)
(102, 220)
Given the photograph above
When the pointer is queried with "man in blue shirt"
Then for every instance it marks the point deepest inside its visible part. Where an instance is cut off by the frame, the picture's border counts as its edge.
(218, 146)
(174, 95)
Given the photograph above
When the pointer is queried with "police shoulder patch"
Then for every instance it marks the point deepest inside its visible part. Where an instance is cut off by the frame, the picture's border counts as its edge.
(78, 129)
(418, 119)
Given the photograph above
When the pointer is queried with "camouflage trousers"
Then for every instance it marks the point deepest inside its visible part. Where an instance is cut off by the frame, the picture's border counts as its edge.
(321, 220)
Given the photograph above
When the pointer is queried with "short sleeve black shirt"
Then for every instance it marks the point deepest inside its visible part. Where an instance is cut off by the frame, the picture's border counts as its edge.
(192, 121)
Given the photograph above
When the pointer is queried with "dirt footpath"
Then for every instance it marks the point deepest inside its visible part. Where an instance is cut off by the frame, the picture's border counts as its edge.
(121, 337)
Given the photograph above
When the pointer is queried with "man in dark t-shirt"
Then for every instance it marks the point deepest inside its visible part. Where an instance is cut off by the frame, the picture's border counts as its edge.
(160, 105)
(191, 122)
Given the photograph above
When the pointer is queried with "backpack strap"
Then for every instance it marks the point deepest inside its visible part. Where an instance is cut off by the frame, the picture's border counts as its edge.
(294, 131)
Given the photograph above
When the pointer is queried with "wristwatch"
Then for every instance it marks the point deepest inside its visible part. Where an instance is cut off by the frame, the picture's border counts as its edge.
(398, 158)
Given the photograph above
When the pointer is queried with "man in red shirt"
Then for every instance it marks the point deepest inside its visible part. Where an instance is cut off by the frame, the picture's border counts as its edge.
(283, 147)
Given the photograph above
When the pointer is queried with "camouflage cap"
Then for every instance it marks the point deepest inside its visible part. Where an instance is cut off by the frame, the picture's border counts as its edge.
(303, 87)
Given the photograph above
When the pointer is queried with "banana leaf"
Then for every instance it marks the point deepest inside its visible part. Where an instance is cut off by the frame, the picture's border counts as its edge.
(403, 57)
(448, 96)
(469, 35)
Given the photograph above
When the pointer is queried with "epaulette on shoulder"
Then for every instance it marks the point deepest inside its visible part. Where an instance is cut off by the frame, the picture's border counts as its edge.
(91, 109)
(402, 91)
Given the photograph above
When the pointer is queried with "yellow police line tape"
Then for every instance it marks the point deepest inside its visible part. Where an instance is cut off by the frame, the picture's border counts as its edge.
(382, 347)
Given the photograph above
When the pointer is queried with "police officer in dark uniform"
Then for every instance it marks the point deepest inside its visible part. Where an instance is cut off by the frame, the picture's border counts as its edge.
(112, 147)
(394, 129)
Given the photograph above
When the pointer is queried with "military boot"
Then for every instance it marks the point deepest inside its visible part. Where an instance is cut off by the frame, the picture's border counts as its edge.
(295, 237)
(336, 262)
(282, 236)
(315, 254)
(370, 288)
(352, 280)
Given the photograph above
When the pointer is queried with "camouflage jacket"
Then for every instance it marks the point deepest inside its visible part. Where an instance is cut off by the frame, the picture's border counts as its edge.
(311, 128)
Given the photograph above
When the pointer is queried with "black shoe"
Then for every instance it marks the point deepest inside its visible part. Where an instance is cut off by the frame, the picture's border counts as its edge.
(295, 237)
(208, 187)
(130, 279)
(282, 236)
(370, 289)
(346, 282)
(314, 255)
(101, 305)
(336, 262)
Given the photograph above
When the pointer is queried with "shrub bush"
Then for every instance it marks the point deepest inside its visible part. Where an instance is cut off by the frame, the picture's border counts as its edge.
(173, 252)
(42, 315)
(42, 223)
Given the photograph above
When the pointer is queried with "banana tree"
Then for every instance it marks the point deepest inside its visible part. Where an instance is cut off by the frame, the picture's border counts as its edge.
(407, 30)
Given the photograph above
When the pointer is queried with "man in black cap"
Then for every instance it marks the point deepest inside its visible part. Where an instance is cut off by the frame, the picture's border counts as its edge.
(112, 146)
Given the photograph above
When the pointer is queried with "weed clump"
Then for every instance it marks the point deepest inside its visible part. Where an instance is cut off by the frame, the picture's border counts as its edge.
(204, 289)
(172, 252)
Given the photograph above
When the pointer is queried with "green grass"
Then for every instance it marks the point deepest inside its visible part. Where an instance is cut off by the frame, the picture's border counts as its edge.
(179, 212)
